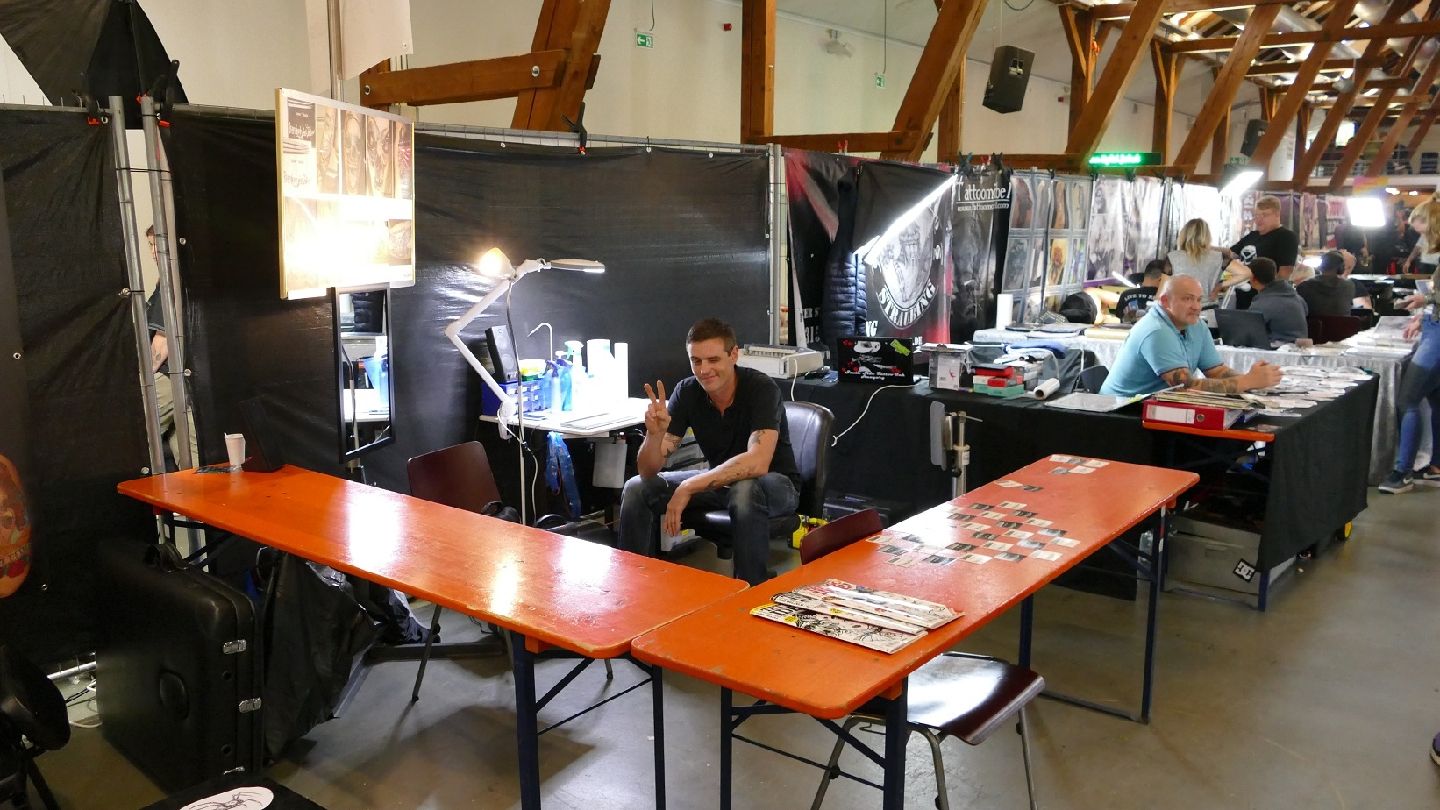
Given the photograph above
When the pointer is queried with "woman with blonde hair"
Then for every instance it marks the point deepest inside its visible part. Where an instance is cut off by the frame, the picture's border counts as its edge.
(1195, 256)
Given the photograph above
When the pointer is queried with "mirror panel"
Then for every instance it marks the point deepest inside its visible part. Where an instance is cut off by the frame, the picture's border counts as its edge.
(363, 353)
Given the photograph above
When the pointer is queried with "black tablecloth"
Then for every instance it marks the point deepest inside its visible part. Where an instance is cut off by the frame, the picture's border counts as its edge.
(1317, 462)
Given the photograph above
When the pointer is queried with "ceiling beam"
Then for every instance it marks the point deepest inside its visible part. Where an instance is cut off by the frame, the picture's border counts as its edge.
(1227, 83)
(1274, 68)
(951, 126)
(1167, 76)
(1302, 129)
(939, 64)
(757, 70)
(1326, 135)
(1424, 128)
(851, 141)
(1119, 70)
(1284, 111)
(1292, 38)
(1120, 11)
(1421, 93)
(1079, 29)
(480, 80)
(1363, 133)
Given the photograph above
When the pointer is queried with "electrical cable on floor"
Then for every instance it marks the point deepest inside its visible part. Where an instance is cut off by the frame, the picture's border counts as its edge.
(835, 441)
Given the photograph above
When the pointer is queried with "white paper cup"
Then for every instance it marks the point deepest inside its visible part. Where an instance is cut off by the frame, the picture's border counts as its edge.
(235, 448)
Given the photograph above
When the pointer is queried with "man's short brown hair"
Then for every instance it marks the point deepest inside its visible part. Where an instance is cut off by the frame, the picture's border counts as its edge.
(709, 329)
(1263, 270)
(1269, 202)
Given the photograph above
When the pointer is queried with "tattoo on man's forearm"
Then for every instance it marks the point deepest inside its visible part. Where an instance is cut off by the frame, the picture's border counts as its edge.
(1224, 385)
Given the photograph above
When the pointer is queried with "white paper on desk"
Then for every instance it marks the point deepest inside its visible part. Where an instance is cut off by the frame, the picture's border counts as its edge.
(1092, 403)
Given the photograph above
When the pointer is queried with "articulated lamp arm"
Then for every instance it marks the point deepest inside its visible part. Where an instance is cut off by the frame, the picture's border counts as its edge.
(508, 407)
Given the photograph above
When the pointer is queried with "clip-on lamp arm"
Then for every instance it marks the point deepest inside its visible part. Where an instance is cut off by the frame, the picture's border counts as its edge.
(508, 406)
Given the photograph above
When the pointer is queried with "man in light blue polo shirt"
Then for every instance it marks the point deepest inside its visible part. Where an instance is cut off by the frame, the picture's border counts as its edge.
(1170, 344)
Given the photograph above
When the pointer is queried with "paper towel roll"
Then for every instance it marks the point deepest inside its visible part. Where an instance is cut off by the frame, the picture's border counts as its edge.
(1004, 310)
(1045, 389)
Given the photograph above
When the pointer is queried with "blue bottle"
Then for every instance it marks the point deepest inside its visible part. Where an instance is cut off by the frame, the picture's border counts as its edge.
(562, 373)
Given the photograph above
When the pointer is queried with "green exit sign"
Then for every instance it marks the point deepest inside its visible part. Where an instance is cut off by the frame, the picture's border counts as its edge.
(879, 79)
(1124, 160)
(644, 40)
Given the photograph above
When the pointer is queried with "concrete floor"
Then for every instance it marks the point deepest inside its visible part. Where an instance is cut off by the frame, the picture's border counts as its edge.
(1327, 701)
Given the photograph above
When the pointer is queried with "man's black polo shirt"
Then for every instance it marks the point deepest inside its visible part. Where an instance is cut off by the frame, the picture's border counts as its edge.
(721, 437)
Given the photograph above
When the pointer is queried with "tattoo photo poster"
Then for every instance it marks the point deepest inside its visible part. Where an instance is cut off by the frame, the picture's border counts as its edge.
(1027, 249)
(347, 196)
(982, 204)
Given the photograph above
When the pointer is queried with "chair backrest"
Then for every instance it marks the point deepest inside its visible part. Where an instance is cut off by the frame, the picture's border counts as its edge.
(1315, 328)
(838, 534)
(1092, 378)
(457, 476)
(1340, 327)
(30, 704)
(810, 441)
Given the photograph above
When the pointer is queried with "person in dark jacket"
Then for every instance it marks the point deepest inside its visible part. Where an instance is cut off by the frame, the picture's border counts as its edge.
(1275, 298)
(1329, 293)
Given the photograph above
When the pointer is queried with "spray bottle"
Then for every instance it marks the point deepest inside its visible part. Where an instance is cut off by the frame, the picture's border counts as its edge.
(576, 398)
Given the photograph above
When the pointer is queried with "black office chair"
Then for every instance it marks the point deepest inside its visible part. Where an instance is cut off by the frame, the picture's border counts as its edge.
(810, 441)
(1335, 328)
(1240, 327)
(33, 719)
(954, 695)
(1091, 379)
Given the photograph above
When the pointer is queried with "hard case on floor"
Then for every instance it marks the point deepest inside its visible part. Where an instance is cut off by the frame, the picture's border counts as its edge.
(178, 667)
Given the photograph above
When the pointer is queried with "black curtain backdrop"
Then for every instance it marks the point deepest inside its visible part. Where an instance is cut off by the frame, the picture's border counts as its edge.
(812, 188)
(683, 236)
(85, 425)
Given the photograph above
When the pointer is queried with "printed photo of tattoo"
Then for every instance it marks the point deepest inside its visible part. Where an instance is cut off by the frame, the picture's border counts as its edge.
(14, 530)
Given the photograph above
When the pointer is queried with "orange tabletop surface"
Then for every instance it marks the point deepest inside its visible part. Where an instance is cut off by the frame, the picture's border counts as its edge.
(1229, 433)
(559, 590)
(828, 678)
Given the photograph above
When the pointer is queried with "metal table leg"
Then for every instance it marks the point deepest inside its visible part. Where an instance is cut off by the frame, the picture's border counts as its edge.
(726, 730)
(526, 722)
(658, 711)
(897, 732)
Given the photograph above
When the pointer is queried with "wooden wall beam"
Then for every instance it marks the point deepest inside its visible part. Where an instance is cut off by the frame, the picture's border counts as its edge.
(757, 70)
(1302, 128)
(952, 120)
(1090, 127)
(480, 80)
(1227, 84)
(935, 73)
(1286, 107)
(574, 26)
(1219, 144)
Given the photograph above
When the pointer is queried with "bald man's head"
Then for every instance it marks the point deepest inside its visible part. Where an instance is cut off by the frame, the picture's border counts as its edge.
(1182, 300)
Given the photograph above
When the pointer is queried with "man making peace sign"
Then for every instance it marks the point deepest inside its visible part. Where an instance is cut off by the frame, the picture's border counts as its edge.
(739, 423)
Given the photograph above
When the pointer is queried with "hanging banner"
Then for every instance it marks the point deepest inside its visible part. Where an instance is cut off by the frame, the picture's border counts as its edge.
(15, 526)
(812, 190)
(1065, 271)
(1027, 249)
(975, 231)
(902, 237)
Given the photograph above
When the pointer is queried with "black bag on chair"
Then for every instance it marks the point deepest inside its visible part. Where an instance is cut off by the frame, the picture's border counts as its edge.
(179, 665)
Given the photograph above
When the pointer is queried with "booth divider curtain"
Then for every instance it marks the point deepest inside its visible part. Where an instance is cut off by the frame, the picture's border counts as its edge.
(683, 235)
(85, 425)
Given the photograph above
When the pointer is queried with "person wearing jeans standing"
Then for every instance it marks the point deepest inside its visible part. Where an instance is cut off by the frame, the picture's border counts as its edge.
(1419, 383)
(739, 423)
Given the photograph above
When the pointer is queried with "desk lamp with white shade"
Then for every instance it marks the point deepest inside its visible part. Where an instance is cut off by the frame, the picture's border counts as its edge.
(495, 267)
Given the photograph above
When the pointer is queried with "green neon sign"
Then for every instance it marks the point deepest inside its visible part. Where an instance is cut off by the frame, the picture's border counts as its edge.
(1123, 160)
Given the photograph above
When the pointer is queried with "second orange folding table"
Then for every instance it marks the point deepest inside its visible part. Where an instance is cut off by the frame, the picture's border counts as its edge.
(789, 669)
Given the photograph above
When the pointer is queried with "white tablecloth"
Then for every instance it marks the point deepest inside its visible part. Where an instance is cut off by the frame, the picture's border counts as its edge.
(1375, 350)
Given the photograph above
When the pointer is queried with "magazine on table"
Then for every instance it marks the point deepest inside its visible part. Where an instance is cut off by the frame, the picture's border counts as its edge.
(878, 620)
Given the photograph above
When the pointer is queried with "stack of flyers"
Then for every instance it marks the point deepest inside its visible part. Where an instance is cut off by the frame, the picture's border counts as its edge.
(878, 620)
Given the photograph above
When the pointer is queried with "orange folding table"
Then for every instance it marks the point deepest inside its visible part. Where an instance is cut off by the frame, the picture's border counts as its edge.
(547, 590)
(790, 670)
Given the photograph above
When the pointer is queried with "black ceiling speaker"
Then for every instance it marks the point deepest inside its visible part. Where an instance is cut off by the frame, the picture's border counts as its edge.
(1254, 131)
(1009, 73)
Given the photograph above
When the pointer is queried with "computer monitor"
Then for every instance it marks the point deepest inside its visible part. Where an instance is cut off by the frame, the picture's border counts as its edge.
(1243, 328)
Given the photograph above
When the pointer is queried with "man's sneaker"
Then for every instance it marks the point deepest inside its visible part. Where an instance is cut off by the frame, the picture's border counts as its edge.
(1435, 749)
(1428, 475)
(1397, 483)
